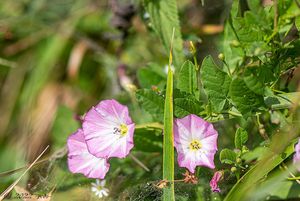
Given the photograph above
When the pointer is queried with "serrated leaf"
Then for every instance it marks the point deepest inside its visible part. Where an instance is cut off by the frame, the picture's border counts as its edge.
(151, 102)
(244, 99)
(187, 80)
(251, 26)
(148, 140)
(164, 18)
(257, 78)
(253, 82)
(186, 106)
(227, 156)
(216, 83)
(185, 103)
(148, 77)
(240, 138)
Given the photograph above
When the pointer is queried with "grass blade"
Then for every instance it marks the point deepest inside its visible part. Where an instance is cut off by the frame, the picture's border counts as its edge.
(168, 147)
(280, 149)
(4, 194)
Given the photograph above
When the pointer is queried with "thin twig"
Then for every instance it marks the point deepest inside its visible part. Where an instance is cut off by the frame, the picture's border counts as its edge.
(4, 194)
(58, 154)
(140, 163)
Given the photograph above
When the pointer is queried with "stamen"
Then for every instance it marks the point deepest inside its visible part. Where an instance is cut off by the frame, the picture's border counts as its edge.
(122, 130)
(195, 145)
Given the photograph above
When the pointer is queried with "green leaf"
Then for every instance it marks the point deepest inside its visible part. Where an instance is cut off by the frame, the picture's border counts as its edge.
(148, 140)
(233, 54)
(168, 143)
(151, 102)
(243, 188)
(187, 80)
(255, 154)
(244, 99)
(254, 4)
(292, 11)
(149, 77)
(257, 79)
(282, 101)
(252, 26)
(215, 82)
(186, 106)
(275, 185)
(240, 138)
(227, 156)
(253, 82)
(164, 17)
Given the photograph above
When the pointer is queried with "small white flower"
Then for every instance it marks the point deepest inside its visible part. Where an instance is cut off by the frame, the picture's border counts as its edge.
(98, 188)
(146, 16)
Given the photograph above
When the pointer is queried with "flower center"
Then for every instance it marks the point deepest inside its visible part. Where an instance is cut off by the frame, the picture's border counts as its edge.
(122, 130)
(195, 145)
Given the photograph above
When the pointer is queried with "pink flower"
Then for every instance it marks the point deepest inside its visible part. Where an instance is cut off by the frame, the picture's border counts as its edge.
(195, 142)
(214, 181)
(296, 159)
(81, 161)
(108, 130)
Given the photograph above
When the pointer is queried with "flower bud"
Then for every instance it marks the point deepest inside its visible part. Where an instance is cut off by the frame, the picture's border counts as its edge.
(233, 169)
(192, 48)
(221, 56)
(244, 149)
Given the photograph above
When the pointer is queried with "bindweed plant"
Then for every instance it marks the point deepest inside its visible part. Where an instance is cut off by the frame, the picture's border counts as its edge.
(216, 125)
(250, 84)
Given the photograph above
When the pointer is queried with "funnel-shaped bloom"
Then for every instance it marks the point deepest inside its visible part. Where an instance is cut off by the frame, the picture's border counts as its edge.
(195, 142)
(108, 130)
(214, 181)
(296, 159)
(80, 160)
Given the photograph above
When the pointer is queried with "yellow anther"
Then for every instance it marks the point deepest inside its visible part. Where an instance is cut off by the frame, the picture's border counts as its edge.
(124, 129)
(195, 145)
